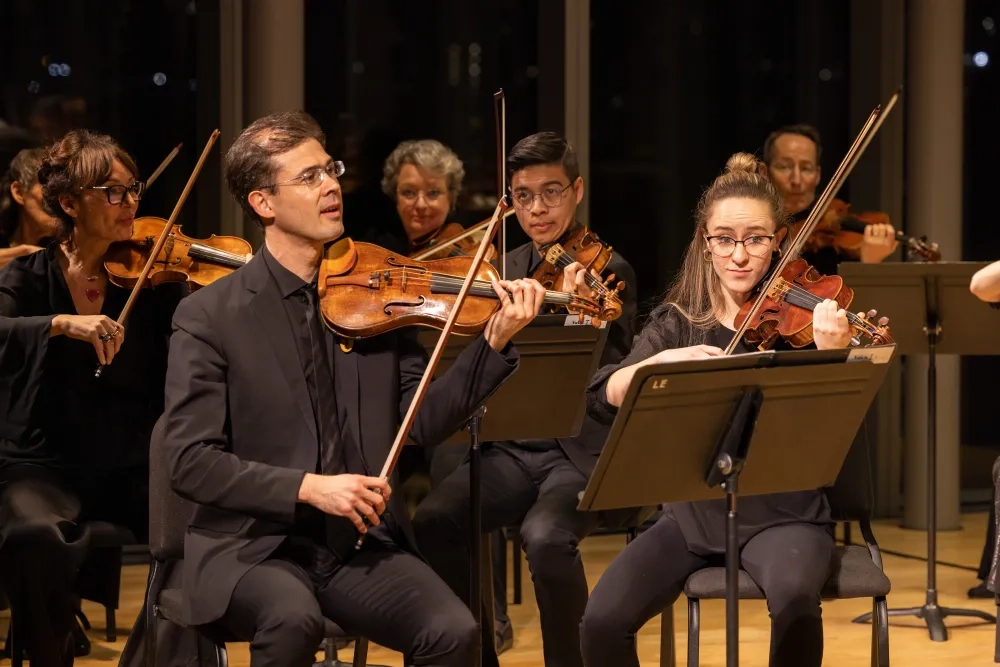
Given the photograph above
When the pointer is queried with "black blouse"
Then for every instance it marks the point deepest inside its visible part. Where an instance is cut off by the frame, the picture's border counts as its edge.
(53, 411)
(703, 523)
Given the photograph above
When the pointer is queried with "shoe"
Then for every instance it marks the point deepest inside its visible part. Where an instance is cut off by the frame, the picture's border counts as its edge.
(980, 592)
(504, 638)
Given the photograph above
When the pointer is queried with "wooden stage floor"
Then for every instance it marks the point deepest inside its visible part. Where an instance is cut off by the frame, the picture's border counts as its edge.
(970, 641)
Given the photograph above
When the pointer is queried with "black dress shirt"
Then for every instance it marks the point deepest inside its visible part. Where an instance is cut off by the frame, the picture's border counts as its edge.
(318, 542)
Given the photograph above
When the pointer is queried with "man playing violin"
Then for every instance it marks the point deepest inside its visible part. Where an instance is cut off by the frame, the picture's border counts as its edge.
(265, 431)
(792, 155)
(535, 483)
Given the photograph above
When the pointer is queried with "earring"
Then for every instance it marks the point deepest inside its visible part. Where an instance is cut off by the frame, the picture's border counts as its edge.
(778, 252)
(708, 255)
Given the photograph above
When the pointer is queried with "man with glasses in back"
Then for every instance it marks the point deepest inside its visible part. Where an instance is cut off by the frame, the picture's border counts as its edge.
(792, 155)
(537, 482)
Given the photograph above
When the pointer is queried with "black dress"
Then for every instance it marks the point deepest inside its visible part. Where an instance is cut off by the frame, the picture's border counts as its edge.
(73, 447)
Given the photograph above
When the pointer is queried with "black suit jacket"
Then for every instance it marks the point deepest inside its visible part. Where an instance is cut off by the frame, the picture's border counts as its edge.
(585, 448)
(240, 433)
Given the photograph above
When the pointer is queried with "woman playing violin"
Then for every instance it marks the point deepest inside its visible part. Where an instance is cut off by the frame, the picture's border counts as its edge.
(424, 179)
(74, 448)
(24, 222)
(792, 154)
(786, 540)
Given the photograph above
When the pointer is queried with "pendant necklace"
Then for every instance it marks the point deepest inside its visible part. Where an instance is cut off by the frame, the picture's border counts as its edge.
(92, 293)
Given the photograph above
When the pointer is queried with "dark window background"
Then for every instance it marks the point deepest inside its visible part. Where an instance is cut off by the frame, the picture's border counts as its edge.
(979, 216)
(112, 50)
(678, 87)
(378, 73)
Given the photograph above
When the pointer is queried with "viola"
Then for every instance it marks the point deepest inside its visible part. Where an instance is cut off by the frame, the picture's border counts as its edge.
(366, 290)
(197, 262)
(579, 244)
(783, 303)
(453, 240)
(844, 230)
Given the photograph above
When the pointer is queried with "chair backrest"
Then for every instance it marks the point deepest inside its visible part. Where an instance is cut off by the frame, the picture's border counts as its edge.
(851, 496)
(169, 514)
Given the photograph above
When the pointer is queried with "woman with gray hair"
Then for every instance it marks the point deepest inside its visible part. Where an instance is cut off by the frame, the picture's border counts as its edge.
(424, 178)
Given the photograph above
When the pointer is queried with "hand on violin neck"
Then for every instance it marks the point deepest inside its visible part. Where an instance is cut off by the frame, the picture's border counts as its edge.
(574, 280)
(830, 328)
(520, 301)
(878, 243)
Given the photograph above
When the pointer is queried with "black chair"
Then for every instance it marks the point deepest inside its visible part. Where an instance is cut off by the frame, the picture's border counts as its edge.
(169, 515)
(856, 571)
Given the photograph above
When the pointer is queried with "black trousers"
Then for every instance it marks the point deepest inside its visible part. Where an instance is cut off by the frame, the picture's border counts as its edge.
(789, 562)
(44, 543)
(383, 593)
(540, 490)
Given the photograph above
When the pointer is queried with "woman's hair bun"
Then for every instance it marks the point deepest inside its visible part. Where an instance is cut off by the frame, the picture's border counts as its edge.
(744, 162)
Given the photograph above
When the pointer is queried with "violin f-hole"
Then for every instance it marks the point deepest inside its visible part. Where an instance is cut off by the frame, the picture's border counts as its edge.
(402, 304)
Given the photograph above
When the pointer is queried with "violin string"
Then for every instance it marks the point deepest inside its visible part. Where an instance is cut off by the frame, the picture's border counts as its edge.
(565, 260)
(420, 277)
(448, 281)
(809, 300)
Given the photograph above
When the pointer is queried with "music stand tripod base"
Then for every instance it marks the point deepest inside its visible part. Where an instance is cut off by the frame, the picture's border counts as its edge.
(939, 284)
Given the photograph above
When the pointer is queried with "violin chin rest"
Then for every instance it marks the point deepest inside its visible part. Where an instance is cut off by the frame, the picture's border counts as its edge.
(340, 257)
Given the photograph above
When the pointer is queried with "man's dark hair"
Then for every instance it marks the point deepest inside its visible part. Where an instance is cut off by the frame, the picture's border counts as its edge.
(248, 164)
(802, 129)
(543, 148)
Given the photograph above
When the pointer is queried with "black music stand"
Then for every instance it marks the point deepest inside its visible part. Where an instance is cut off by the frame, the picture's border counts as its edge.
(556, 352)
(919, 298)
(751, 424)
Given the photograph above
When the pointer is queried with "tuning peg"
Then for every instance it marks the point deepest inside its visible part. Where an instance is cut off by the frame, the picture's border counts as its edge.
(610, 277)
(855, 341)
(872, 313)
(883, 321)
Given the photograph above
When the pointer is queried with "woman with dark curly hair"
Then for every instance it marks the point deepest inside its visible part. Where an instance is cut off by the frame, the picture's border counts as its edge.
(25, 225)
(74, 448)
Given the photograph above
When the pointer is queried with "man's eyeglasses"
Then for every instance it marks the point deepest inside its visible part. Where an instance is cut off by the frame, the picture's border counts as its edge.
(314, 176)
(116, 193)
(551, 197)
(725, 246)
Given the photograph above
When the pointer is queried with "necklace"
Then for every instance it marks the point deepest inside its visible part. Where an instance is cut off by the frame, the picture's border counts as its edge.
(93, 294)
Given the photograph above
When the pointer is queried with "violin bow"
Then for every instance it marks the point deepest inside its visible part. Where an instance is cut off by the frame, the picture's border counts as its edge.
(500, 114)
(160, 242)
(455, 239)
(407, 425)
(163, 165)
(822, 203)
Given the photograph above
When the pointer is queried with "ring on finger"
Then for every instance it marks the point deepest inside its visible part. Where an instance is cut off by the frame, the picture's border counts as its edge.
(105, 337)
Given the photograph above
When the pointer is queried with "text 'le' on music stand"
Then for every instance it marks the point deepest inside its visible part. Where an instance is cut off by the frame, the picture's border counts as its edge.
(760, 423)
(930, 311)
(543, 399)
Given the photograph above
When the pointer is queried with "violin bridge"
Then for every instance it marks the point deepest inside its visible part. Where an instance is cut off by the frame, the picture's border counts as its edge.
(554, 253)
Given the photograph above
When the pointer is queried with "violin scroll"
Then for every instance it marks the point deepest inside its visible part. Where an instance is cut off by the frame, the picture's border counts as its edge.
(863, 326)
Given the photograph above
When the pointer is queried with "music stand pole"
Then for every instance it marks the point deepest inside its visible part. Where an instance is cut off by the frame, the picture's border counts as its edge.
(475, 525)
(932, 614)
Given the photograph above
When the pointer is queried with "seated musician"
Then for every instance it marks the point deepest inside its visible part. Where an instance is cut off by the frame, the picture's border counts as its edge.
(24, 222)
(73, 447)
(786, 540)
(265, 430)
(424, 178)
(535, 483)
(792, 154)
